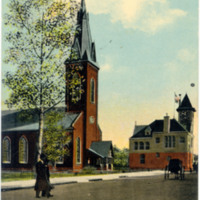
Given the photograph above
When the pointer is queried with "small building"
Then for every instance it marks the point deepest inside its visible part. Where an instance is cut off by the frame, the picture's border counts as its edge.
(153, 145)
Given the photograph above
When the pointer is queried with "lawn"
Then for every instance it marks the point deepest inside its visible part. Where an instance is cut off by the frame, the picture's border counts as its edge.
(16, 176)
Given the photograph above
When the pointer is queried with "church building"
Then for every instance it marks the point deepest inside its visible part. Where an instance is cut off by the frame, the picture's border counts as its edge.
(80, 121)
(153, 145)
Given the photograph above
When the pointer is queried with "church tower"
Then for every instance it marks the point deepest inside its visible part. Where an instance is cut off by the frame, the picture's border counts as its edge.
(85, 60)
(186, 113)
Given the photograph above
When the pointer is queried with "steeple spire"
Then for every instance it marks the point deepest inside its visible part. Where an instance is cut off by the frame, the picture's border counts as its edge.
(83, 7)
(83, 45)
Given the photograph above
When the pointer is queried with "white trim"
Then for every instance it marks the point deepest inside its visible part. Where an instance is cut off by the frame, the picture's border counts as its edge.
(77, 119)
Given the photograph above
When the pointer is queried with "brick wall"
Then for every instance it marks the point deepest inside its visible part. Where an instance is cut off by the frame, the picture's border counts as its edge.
(152, 161)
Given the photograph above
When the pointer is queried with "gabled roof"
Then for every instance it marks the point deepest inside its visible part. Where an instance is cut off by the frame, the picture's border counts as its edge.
(13, 121)
(138, 128)
(101, 148)
(83, 45)
(157, 126)
(185, 104)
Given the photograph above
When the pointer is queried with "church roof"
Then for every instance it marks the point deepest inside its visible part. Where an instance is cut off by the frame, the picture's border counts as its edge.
(185, 104)
(157, 126)
(101, 148)
(83, 44)
(13, 121)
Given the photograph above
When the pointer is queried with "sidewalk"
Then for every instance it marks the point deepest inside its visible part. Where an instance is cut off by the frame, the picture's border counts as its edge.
(15, 185)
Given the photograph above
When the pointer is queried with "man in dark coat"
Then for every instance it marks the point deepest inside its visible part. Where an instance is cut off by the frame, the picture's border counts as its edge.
(48, 177)
(42, 183)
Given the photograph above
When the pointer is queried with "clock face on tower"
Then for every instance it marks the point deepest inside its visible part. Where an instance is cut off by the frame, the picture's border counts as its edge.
(185, 115)
(91, 119)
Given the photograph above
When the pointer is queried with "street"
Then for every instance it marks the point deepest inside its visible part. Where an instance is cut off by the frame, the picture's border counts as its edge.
(138, 188)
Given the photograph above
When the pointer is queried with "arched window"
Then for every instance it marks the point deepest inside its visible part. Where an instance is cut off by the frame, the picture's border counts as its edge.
(78, 150)
(23, 150)
(92, 91)
(141, 145)
(76, 89)
(6, 150)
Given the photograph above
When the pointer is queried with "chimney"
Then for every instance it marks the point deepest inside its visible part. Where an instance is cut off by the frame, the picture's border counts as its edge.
(166, 127)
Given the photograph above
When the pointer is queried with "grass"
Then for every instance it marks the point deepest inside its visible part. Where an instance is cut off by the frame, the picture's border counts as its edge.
(16, 176)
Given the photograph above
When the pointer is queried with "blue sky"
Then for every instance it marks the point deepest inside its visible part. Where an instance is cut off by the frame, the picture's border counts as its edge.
(147, 50)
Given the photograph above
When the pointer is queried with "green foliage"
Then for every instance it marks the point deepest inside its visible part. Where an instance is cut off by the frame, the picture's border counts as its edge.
(15, 176)
(120, 157)
(40, 38)
(40, 35)
(55, 136)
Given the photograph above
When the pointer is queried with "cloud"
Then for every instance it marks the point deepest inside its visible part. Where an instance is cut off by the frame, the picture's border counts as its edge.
(186, 56)
(183, 58)
(106, 68)
(145, 15)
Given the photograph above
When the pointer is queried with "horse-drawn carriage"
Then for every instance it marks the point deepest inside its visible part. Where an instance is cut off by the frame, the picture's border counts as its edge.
(175, 167)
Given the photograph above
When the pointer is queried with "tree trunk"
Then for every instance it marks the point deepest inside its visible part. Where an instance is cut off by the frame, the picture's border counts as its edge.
(41, 127)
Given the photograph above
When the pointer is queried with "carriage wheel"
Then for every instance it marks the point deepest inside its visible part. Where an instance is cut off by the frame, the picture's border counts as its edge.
(182, 173)
(166, 173)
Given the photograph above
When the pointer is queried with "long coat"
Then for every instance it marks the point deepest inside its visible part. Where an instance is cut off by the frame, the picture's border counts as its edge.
(42, 179)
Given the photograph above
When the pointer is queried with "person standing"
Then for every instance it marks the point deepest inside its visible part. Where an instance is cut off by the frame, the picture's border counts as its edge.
(48, 178)
(42, 183)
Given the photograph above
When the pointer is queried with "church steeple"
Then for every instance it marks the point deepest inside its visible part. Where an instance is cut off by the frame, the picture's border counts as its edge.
(186, 113)
(83, 45)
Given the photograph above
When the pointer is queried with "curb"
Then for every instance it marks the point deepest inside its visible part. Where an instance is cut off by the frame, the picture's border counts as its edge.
(29, 187)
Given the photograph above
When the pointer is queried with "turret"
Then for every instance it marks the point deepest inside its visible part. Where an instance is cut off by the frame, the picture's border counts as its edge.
(186, 113)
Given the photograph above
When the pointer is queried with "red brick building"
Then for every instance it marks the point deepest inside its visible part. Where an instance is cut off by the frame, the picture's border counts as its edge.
(153, 145)
(80, 121)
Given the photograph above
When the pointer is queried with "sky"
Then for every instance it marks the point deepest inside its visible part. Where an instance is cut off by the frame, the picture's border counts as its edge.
(147, 50)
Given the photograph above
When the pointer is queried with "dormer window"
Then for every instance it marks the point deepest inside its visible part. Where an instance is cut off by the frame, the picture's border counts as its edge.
(148, 131)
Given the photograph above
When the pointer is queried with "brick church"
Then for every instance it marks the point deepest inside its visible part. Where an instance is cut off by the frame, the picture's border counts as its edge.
(80, 120)
(153, 145)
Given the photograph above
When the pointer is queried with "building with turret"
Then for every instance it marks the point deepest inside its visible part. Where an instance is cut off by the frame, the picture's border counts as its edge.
(153, 145)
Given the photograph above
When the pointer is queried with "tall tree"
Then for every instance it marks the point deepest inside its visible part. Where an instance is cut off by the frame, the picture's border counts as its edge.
(40, 37)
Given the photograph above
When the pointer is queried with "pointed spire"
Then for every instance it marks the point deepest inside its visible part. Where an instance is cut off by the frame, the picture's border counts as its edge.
(86, 48)
(185, 104)
(83, 7)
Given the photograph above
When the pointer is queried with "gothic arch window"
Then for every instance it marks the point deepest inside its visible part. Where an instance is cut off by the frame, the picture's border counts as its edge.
(6, 150)
(23, 150)
(78, 150)
(92, 91)
(76, 90)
